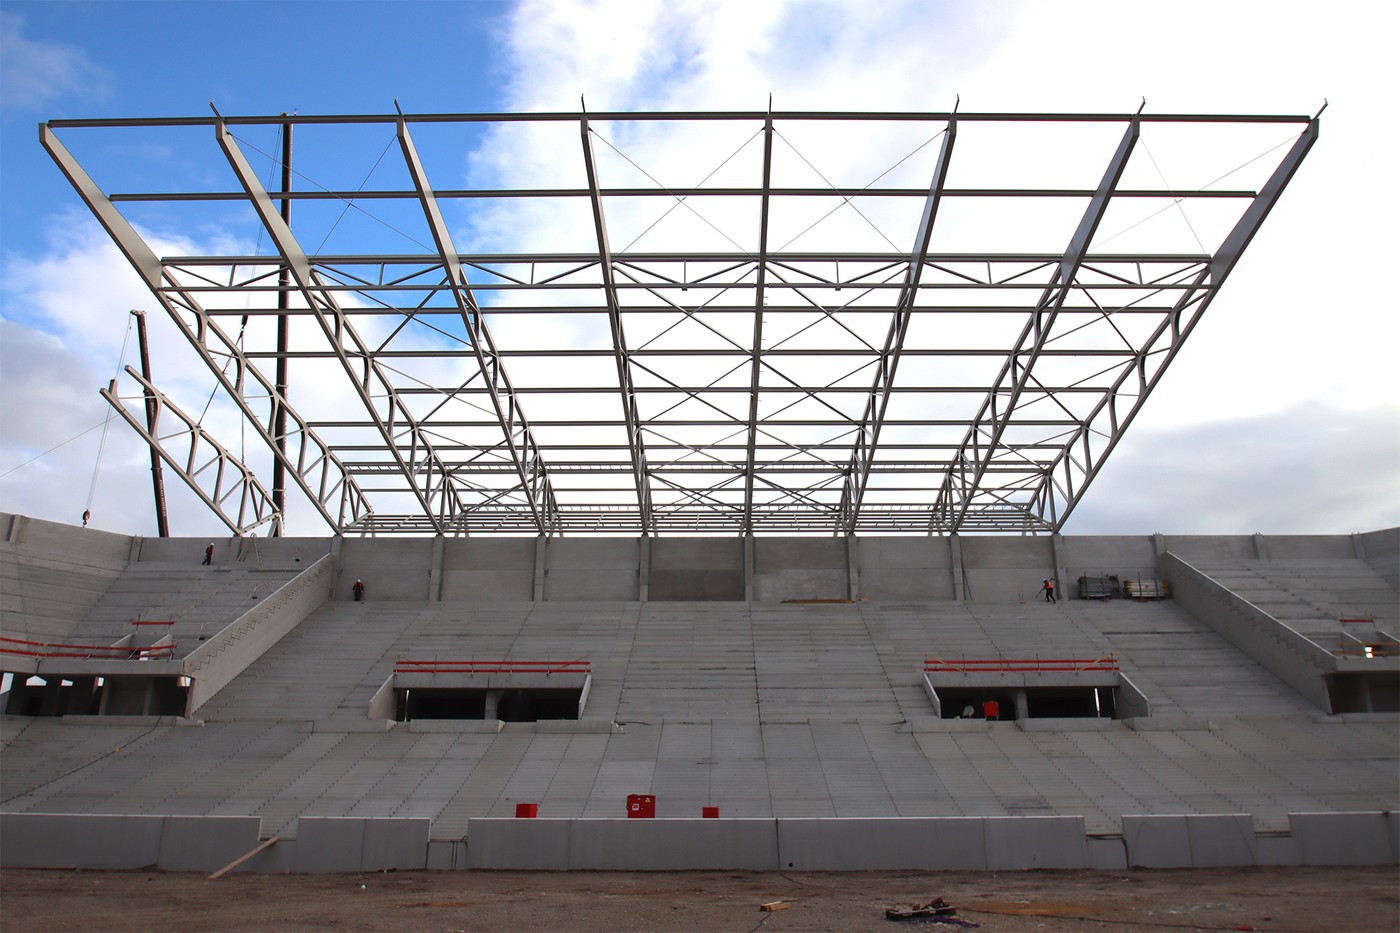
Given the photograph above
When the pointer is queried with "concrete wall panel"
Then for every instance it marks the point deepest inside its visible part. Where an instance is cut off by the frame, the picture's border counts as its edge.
(1212, 547)
(395, 843)
(328, 844)
(697, 569)
(488, 570)
(672, 845)
(87, 544)
(1308, 547)
(1123, 556)
(531, 845)
(206, 843)
(905, 568)
(1194, 841)
(1001, 569)
(1016, 842)
(61, 840)
(800, 568)
(877, 844)
(392, 568)
(1344, 838)
(592, 569)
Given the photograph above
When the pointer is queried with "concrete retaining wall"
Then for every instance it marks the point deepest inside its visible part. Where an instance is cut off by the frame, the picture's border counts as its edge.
(1277, 648)
(231, 651)
(347, 844)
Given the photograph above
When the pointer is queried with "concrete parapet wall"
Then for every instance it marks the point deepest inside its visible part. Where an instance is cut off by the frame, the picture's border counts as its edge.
(1283, 652)
(349, 844)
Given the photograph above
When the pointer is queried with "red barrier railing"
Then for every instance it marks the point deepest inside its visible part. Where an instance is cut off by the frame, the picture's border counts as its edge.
(1020, 665)
(100, 652)
(406, 666)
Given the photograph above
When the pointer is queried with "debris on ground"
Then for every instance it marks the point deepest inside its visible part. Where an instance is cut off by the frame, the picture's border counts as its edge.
(774, 905)
(935, 911)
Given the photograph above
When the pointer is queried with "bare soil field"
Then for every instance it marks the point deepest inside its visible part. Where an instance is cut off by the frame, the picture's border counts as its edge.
(1263, 899)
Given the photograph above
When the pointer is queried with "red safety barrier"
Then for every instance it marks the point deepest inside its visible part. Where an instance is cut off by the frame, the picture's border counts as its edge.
(406, 666)
(106, 652)
(1021, 665)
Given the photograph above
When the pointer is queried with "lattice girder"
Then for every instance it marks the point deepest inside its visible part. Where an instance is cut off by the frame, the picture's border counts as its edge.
(818, 335)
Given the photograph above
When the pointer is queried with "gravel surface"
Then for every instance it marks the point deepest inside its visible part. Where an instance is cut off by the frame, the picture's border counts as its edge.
(1274, 899)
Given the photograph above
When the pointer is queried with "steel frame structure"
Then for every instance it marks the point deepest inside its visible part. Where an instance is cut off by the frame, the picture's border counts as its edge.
(890, 387)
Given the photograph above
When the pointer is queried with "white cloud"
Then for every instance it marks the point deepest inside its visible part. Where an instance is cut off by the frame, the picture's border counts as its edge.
(1293, 357)
(35, 73)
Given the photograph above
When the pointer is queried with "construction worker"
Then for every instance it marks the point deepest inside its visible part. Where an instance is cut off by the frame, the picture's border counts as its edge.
(358, 589)
(1049, 589)
(209, 554)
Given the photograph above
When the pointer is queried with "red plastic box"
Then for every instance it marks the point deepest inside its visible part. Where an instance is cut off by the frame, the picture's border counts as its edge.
(527, 811)
(710, 813)
(641, 807)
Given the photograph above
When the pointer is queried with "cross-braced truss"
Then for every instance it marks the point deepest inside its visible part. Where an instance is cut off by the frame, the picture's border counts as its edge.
(698, 323)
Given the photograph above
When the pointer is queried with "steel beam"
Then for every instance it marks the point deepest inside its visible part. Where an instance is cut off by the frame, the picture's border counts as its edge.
(315, 459)
(213, 473)
(530, 464)
(760, 296)
(984, 435)
(624, 367)
(873, 420)
(1175, 327)
(438, 495)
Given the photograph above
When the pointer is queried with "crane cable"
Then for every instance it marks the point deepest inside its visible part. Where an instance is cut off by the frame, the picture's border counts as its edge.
(107, 423)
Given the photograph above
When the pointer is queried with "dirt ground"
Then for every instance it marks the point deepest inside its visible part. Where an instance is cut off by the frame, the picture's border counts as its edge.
(1273, 899)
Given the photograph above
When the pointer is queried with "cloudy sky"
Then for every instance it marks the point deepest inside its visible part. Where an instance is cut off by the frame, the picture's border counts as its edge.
(1281, 415)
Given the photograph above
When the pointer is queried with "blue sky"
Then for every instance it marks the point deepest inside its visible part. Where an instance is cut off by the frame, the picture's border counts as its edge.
(1281, 415)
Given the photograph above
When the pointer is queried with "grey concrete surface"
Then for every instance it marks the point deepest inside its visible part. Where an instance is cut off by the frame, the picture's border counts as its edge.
(772, 711)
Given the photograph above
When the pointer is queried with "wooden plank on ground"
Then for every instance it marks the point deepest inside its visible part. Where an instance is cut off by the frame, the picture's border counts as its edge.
(242, 858)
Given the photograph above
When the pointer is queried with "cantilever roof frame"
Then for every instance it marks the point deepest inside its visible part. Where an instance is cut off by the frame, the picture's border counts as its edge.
(758, 388)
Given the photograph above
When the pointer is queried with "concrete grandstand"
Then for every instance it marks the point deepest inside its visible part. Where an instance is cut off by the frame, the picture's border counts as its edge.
(828, 696)
(759, 583)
